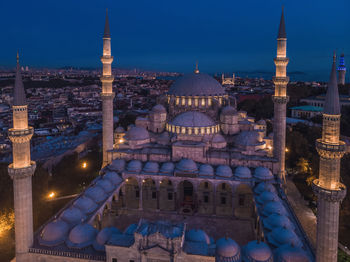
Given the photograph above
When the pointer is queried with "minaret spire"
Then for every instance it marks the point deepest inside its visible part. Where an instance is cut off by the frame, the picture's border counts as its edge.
(107, 33)
(21, 170)
(282, 28)
(330, 192)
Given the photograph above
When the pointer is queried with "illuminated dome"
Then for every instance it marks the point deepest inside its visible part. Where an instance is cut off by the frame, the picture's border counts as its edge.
(248, 138)
(263, 173)
(186, 165)
(103, 236)
(224, 171)
(113, 177)
(276, 220)
(96, 193)
(192, 119)
(137, 133)
(194, 84)
(106, 185)
(206, 170)
(288, 253)
(197, 235)
(243, 172)
(159, 109)
(117, 165)
(54, 233)
(274, 207)
(73, 215)
(282, 236)
(85, 204)
(256, 251)
(227, 250)
(151, 167)
(228, 110)
(81, 236)
(267, 197)
(167, 167)
(134, 166)
(262, 187)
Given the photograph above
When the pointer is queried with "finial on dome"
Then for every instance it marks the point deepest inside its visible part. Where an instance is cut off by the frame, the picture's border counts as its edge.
(196, 71)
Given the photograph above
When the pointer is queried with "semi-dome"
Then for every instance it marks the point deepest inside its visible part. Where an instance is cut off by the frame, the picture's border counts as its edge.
(134, 166)
(263, 173)
(192, 119)
(276, 220)
(85, 204)
(105, 184)
(248, 138)
(262, 187)
(54, 233)
(196, 84)
(206, 170)
(228, 110)
(113, 177)
(256, 251)
(167, 167)
(288, 253)
(117, 165)
(81, 236)
(73, 215)
(96, 193)
(197, 235)
(274, 207)
(224, 171)
(136, 133)
(267, 196)
(159, 109)
(103, 236)
(243, 172)
(130, 229)
(282, 236)
(186, 165)
(227, 248)
(151, 167)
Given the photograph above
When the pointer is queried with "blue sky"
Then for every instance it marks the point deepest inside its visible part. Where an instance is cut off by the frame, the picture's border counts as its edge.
(223, 35)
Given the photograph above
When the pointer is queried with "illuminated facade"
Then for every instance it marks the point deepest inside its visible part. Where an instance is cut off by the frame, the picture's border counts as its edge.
(330, 192)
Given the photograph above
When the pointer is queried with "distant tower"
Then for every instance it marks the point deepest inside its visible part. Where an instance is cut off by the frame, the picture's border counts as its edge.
(107, 94)
(341, 70)
(21, 170)
(280, 99)
(330, 192)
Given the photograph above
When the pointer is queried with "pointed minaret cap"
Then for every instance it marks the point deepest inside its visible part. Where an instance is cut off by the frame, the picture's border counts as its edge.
(19, 97)
(282, 29)
(107, 33)
(332, 105)
(196, 71)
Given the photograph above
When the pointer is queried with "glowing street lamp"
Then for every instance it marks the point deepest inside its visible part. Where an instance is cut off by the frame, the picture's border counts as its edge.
(287, 150)
(52, 195)
(84, 165)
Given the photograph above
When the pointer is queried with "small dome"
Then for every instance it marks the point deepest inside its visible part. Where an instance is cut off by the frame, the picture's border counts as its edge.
(134, 166)
(119, 130)
(288, 253)
(167, 167)
(96, 193)
(206, 170)
(117, 165)
(228, 110)
(81, 236)
(197, 235)
(261, 122)
(192, 119)
(228, 248)
(248, 138)
(263, 173)
(194, 84)
(243, 172)
(113, 177)
(73, 215)
(130, 229)
(218, 138)
(137, 133)
(103, 236)
(105, 184)
(224, 171)
(274, 207)
(151, 167)
(256, 251)
(186, 165)
(85, 204)
(267, 196)
(54, 233)
(276, 220)
(262, 187)
(281, 236)
(159, 109)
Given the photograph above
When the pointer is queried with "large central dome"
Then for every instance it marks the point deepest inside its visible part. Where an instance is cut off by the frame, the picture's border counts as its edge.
(196, 84)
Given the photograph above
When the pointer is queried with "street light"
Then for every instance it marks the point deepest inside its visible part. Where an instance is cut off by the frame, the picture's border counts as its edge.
(287, 150)
(52, 195)
(84, 165)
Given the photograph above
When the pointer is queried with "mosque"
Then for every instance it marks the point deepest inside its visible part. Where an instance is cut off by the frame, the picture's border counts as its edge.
(195, 180)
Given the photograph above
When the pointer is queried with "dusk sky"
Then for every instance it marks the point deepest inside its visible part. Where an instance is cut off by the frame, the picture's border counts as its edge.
(171, 35)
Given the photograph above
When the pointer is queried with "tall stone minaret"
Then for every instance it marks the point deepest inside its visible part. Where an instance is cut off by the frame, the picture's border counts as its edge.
(21, 170)
(330, 192)
(280, 99)
(107, 95)
(341, 70)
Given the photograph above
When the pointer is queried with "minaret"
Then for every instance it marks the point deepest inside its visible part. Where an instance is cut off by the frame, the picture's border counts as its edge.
(280, 99)
(107, 95)
(330, 192)
(21, 170)
(341, 70)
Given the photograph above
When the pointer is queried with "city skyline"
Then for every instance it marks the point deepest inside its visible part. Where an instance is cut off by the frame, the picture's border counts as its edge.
(223, 38)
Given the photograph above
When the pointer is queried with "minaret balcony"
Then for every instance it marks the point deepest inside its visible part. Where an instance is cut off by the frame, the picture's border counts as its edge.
(328, 150)
(277, 80)
(336, 194)
(23, 171)
(107, 79)
(106, 59)
(20, 135)
(280, 99)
